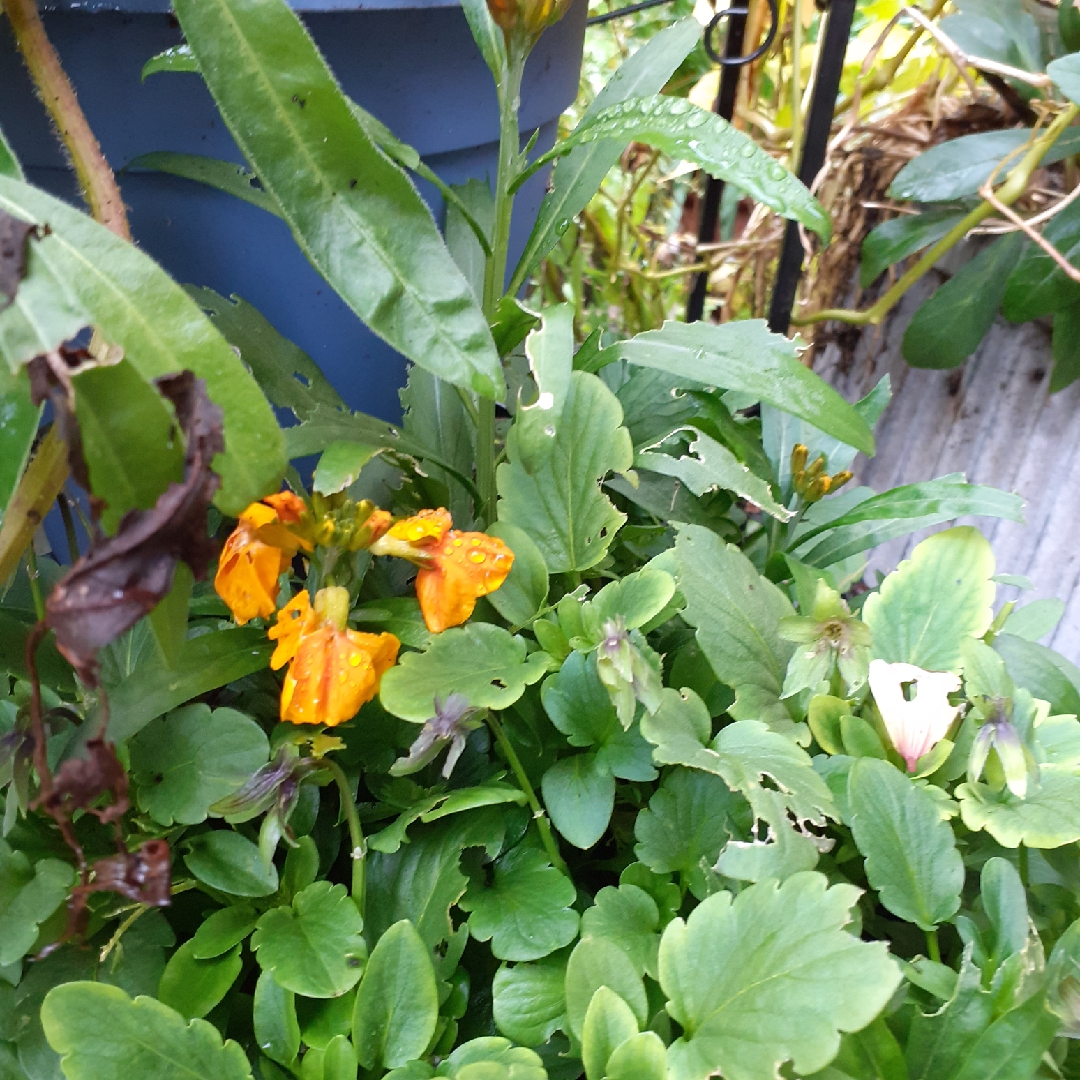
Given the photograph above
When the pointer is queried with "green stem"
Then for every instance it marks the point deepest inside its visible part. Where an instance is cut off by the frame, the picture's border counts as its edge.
(932, 946)
(509, 91)
(69, 527)
(539, 814)
(1025, 873)
(35, 584)
(356, 834)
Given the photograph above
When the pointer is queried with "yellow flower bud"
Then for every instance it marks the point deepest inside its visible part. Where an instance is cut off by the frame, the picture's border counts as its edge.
(840, 479)
(818, 489)
(799, 454)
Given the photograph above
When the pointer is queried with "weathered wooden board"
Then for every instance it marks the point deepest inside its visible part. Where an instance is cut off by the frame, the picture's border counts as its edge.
(995, 421)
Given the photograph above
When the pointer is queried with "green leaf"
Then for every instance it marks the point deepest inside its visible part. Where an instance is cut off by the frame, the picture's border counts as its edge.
(1038, 286)
(355, 214)
(185, 762)
(894, 240)
(18, 426)
(550, 352)
(685, 132)
(558, 501)
(397, 1005)
(903, 509)
(525, 912)
(492, 1058)
(636, 598)
(1005, 904)
(785, 850)
(464, 245)
(1048, 817)
(1035, 620)
(178, 58)
(628, 916)
(933, 601)
(138, 307)
(736, 965)
(422, 879)
(525, 591)
(193, 987)
(340, 465)
(711, 466)
(29, 894)
(1012, 1047)
(277, 1030)
(959, 167)
(487, 35)
(687, 822)
(225, 176)
(737, 613)
(101, 1034)
(313, 947)
(1047, 674)
(301, 867)
(745, 356)
(595, 963)
(608, 1023)
(1064, 72)
(1065, 347)
(641, 1057)
(485, 663)
(940, 1040)
(873, 1053)
(949, 326)
(219, 932)
(205, 663)
(324, 1019)
(529, 1000)
(228, 862)
(9, 163)
(579, 796)
(577, 176)
(911, 855)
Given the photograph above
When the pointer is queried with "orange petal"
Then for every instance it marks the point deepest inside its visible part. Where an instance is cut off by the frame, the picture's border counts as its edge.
(247, 575)
(292, 620)
(423, 528)
(466, 567)
(289, 506)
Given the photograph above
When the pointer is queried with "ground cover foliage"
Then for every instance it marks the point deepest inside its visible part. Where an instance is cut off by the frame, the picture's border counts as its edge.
(551, 739)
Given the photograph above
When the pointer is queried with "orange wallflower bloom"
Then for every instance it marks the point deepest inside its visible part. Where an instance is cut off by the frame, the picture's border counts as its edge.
(332, 670)
(247, 576)
(456, 568)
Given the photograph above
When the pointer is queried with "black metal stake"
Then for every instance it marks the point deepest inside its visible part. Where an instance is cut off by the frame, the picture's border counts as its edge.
(818, 127)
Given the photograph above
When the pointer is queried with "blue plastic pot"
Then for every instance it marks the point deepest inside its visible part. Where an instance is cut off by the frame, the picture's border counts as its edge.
(412, 63)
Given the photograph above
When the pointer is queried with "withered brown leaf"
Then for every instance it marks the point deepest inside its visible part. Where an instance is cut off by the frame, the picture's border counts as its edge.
(81, 781)
(121, 579)
(14, 235)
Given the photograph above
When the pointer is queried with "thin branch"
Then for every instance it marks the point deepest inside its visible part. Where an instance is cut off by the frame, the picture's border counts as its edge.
(948, 46)
(1025, 226)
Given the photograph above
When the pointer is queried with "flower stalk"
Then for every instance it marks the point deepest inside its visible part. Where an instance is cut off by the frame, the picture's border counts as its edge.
(358, 848)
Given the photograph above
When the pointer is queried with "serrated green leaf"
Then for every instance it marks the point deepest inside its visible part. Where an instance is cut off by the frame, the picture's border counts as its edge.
(525, 912)
(628, 916)
(225, 176)
(636, 598)
(138, 307)
(219, 932)
(101, 1034)
(949, 326)
(745, 356)
(558, 502)
(185, 762)
(397, 1004)
(911, 855)
(522, 595)
(596, 963)
(29, 893)
(231, 863)
(735, 965)
(529, 1000)
(313, 947)
(193, 987)
(492, 1058)
(273, 1014)
(933, 601)
(688, 133)
(894, 240)
(737, 613)
(577, 176)
(608, 1023)
(579, 796)
(1048, 817)
(355, 214)
(711, 466)
(484, 663)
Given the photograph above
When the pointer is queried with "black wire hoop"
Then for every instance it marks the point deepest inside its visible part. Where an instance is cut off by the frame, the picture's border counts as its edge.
(737, 61)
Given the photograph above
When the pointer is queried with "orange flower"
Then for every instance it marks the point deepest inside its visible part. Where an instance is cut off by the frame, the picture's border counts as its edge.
(332, 670)
(456, 568)
(248, 570)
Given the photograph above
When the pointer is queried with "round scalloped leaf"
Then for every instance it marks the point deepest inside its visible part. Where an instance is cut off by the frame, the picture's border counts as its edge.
(1048, 817)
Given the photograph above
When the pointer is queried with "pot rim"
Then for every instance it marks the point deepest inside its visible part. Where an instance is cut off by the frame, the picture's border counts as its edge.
(164, 7)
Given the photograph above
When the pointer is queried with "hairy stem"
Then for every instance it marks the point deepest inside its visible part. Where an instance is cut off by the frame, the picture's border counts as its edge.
(96, 179)
(539, 814)
(358, 851)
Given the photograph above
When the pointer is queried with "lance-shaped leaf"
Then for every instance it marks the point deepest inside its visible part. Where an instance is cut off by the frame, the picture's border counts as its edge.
(226, 176)
(578, 175)
(558, 500)
(356, 215)
(745, 356)
(684, 131)
(710, 465)
(899, 237)
(737, 965)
